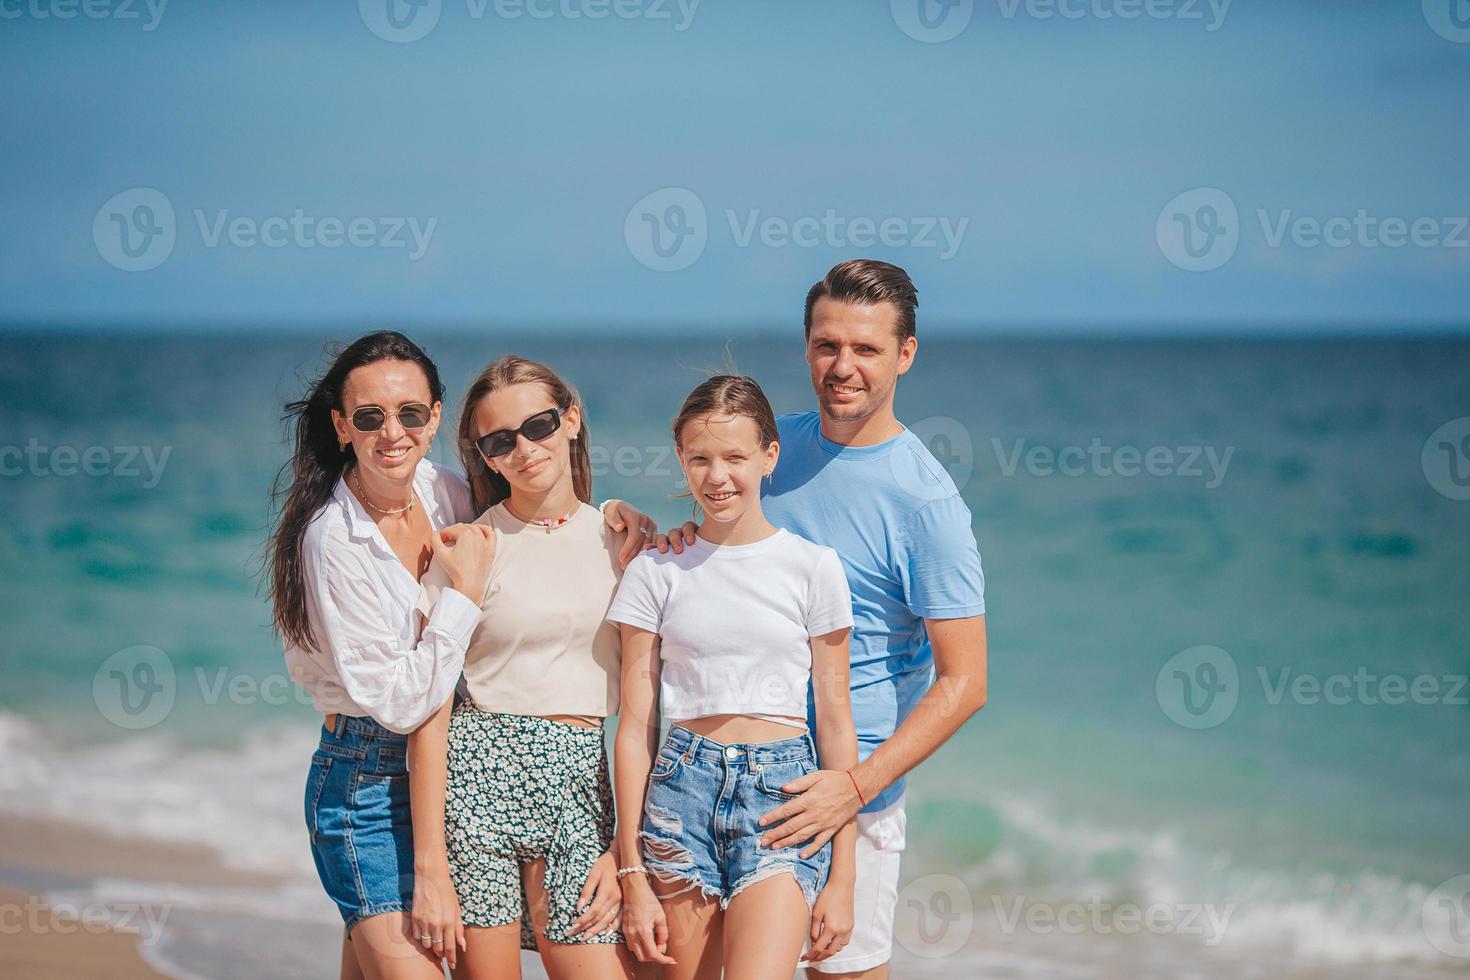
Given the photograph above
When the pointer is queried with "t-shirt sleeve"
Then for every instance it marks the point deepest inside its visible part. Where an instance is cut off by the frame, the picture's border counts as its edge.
(641, 596)
(940, 563)
(829, 603)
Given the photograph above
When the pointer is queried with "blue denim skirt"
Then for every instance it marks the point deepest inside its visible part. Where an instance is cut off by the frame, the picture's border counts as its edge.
(357, 810)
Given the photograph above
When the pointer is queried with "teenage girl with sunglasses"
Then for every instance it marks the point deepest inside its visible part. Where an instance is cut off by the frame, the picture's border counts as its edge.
(513, 809)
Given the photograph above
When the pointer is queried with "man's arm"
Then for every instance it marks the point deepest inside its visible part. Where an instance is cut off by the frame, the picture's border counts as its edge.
(828, 800)
(957, 693)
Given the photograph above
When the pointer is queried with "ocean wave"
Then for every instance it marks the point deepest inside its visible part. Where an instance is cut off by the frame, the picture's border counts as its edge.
(1076, 871)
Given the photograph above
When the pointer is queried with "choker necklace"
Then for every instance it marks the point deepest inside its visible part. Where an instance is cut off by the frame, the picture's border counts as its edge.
(363, 494)
(550, 523)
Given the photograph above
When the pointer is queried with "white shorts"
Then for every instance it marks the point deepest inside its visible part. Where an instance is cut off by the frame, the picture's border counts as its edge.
(880, 841)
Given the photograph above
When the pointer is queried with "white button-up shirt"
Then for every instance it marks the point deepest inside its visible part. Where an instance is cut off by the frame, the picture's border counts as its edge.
(372, 658)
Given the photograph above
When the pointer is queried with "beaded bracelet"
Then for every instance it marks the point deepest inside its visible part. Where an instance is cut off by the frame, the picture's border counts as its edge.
(635, 869)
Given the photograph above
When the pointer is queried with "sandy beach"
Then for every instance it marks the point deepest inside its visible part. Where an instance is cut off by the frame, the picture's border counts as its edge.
(105, 934)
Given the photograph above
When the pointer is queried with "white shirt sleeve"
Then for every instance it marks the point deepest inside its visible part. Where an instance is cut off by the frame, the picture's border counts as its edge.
(829, 602)
(398, 688)
(641, 596)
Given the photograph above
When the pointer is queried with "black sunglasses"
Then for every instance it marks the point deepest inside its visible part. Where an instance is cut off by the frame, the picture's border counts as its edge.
(535, 428)
(371, 418)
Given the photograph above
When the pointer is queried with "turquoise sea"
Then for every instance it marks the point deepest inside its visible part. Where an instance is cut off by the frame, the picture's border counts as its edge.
(1227, 588)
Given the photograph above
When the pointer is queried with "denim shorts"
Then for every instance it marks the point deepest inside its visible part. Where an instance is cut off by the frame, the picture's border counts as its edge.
(700, 818)
(357, 811)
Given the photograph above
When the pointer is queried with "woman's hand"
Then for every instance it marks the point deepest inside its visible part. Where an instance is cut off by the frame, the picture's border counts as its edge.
(601, 896)
(435, 922)
(832, 921)
(465, 552)
(645, 926)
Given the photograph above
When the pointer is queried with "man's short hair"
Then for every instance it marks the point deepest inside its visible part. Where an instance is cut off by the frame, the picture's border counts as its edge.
(867, 282)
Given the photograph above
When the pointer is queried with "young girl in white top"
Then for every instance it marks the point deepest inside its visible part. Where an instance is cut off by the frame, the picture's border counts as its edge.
(725, 639)
(512, 802)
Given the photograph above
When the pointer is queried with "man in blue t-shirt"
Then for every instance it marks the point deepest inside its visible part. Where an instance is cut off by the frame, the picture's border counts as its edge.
(850, 476)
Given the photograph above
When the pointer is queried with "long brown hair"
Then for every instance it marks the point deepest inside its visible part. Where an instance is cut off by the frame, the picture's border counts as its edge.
(306, 481)
(489, 487)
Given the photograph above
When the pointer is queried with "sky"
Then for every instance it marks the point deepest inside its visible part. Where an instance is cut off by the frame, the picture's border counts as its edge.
(690, 166)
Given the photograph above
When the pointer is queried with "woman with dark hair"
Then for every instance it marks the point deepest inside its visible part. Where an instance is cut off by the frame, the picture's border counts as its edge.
(362, 512)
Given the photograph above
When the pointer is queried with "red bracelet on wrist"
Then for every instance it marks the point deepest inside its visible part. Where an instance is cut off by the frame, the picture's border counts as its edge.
(855, 788)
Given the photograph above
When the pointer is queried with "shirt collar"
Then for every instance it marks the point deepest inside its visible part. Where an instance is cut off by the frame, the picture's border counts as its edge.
(360, 524)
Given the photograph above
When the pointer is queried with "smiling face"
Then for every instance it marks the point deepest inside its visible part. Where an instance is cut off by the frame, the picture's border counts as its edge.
(393, 451)
(855, 357)
(724, 463)
(531, 467)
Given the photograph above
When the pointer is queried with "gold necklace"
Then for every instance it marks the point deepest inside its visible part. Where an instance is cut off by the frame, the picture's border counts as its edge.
(356, 478)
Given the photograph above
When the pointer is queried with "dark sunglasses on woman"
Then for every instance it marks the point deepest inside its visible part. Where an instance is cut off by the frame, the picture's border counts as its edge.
(371, 418)
(534, 428)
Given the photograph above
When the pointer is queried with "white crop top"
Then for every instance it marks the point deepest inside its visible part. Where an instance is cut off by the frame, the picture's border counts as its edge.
(735, 623)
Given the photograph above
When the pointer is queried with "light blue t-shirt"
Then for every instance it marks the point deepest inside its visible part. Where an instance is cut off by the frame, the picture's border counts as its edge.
(895, 519)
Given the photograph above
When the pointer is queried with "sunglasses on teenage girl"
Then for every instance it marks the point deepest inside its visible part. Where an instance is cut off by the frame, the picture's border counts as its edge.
(534, 428)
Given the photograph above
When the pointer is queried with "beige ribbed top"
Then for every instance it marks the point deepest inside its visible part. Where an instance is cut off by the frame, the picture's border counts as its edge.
(543, 645)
